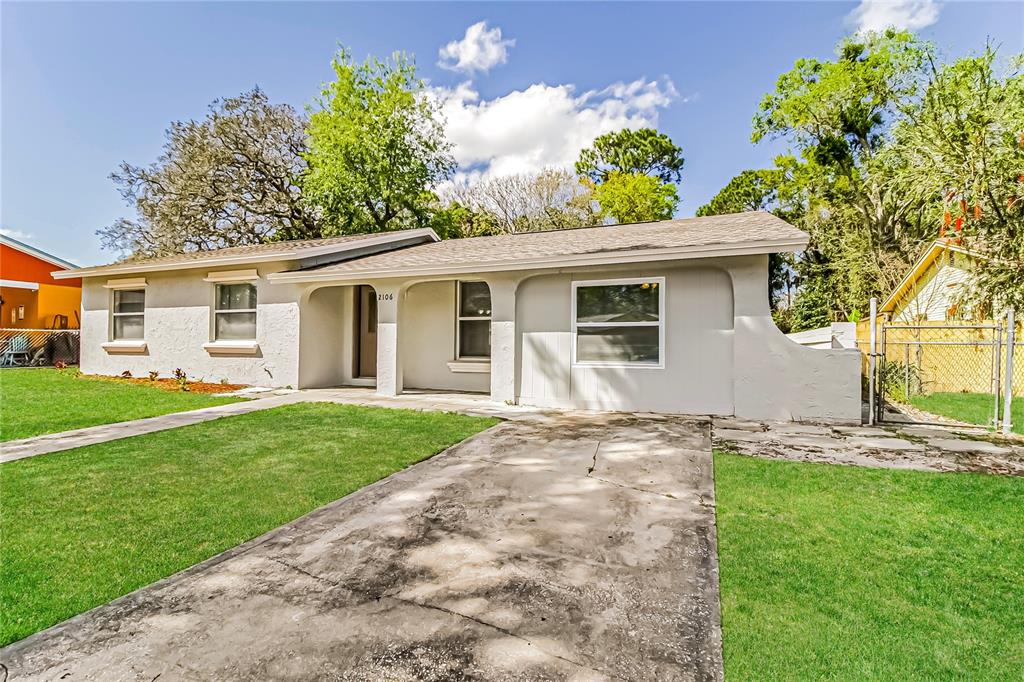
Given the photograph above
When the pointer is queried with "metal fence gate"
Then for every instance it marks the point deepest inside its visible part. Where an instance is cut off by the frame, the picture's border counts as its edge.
(946, 372)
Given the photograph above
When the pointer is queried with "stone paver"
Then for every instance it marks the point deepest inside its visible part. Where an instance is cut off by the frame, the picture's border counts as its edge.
(884, 443)
(965, 445)
(920, 447)
(558, 547)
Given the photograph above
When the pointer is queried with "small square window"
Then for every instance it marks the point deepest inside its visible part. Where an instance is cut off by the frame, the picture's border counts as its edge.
(129, 314)
(235, 312)
(618, 322)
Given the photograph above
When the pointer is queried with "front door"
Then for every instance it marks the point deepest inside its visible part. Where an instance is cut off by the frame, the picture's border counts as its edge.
(366, 321)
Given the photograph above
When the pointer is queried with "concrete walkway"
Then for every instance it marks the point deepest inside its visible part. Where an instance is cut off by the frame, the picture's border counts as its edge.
(67, 440)
(561, 547)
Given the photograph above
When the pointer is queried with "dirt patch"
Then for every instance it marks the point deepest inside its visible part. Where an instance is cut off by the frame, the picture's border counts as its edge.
(168, 384)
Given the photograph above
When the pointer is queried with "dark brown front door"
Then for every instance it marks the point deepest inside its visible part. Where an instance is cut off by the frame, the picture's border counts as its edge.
(366, 320)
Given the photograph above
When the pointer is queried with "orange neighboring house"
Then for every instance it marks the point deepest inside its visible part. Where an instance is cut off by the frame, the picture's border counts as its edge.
(29, 297)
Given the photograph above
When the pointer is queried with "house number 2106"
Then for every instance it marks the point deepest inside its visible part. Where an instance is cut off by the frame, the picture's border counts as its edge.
(385, 297)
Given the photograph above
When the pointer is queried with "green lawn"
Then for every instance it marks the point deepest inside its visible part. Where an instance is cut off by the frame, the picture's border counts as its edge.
(973, 408)
(852, 573)
(38, 401)
(84, 526)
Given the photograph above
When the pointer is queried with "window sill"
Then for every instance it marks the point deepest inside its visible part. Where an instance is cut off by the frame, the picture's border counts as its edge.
(124, 346)
(470, 366)
(232, 347)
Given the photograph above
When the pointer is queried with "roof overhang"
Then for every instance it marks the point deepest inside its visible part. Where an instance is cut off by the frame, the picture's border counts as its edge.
(16, 284)
(33, 251)
(548, 262)
(310, 253)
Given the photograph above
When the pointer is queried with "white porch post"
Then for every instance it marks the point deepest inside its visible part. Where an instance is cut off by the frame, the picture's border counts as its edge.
(389, 356)
(503, 338)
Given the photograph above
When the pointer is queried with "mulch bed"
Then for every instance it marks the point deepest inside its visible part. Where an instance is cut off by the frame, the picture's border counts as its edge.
(169, 384)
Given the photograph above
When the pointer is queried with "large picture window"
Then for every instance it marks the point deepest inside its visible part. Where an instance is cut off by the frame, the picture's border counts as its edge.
(129, 314)
(235, 312)
(618, 322)
(474, 326)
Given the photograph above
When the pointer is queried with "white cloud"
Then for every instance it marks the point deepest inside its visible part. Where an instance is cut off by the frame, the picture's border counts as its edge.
(15, 234)
(877, 15)
(543, 126)
(479, 50)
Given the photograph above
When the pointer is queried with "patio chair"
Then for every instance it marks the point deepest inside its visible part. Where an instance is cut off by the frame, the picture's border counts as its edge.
(16, 352)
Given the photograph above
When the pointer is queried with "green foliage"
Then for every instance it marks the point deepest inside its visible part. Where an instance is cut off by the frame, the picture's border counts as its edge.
(644, 151)
(837, 115)
(751, 190)
(899, 381)
(376, 147)
(761, 190)
(634, 197)
(456, 221)
(814, 303)
(961, 150)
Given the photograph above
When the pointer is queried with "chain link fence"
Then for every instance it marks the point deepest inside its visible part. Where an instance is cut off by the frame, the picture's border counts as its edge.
(944, 371)
(38, 347)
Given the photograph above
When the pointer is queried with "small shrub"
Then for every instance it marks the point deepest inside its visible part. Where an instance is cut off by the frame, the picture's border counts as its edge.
(127, 374)
(153, 375)
(895, 386)
(181, 378)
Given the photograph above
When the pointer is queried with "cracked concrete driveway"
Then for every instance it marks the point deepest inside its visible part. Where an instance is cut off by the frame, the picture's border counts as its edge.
(573, 547)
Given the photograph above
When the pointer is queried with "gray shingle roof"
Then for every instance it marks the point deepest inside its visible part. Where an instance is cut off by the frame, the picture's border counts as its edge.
(736, 229)
(286, 250)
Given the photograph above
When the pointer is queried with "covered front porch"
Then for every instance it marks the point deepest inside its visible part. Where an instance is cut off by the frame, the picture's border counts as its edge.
(411, 335)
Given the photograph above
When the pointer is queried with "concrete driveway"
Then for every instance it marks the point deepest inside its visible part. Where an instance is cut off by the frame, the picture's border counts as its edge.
(571, 547)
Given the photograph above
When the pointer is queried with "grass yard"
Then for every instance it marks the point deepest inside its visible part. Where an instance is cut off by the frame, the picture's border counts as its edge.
(38, 401)
(852, 573)
(85, 526)
(973, 408)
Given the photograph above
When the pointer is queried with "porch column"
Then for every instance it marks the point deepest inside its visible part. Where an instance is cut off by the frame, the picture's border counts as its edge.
(389, 356)
(503, 338)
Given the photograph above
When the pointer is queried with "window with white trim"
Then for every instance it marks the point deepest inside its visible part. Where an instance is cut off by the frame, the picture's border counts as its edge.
(234, 315)
(473, 334)
(619, 322)
(129, 314)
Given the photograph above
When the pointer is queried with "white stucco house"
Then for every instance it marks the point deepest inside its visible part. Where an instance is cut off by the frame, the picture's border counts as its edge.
(667, 316)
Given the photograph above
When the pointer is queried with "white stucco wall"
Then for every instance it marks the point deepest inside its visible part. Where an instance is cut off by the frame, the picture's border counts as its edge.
(327, 330)
(722, 354)
(697, 373)
(179, 309)
(775, 378)
(428, 344)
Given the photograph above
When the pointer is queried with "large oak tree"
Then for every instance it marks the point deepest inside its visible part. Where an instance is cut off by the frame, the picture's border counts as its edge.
(227, 180)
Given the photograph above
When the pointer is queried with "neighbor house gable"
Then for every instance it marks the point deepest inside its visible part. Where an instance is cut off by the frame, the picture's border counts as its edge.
(933, 287)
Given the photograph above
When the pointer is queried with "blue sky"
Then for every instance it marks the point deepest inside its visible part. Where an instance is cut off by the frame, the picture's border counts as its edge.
(85, 85)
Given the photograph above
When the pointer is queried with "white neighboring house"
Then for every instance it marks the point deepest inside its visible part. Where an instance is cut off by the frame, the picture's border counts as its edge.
(668, 316)
(931, 290)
